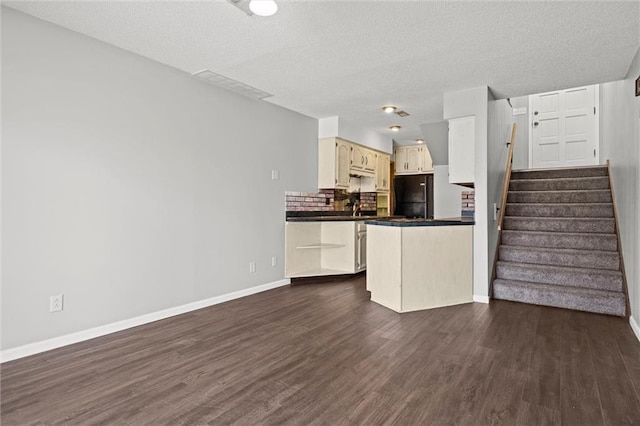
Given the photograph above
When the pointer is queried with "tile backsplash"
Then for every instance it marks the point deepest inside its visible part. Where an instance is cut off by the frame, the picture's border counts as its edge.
(328, 200)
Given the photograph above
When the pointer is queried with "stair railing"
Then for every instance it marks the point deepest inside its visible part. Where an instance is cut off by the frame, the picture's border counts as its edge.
(503, 205)
(507, 178)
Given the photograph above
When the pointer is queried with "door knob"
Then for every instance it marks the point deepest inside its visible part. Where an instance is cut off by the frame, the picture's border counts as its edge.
(535, 124)
(535, 112)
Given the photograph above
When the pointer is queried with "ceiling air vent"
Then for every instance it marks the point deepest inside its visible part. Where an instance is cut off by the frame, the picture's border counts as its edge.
(403, 113)
(229, 84)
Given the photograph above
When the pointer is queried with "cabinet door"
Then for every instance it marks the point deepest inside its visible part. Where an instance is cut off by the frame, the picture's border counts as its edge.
(401, 161)
(414, 159)
(357, 157)
(427, 162)
(462, 150)
(369, 160)
(343, 152)
(382, 172)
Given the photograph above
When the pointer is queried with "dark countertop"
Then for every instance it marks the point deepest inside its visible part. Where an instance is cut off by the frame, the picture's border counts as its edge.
(450, 221)
(338, 218)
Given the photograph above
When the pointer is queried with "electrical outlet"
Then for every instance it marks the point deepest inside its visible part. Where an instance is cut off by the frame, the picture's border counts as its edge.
(274, 261)
(55, 303)
(252, 267)
(275, 175)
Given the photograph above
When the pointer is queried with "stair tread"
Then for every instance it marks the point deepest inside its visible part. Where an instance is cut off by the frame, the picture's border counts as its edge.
(562, 204)
(590, 234)
(558, 218)
(568, 191)
(553, 169)
(560, 250)
(564, 269)
(559, 288)
(564, 178)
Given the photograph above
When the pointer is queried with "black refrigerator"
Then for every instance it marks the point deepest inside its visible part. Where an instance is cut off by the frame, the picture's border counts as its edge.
(413, 196)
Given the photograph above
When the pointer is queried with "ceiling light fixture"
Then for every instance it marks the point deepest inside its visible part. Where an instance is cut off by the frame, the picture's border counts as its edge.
(263, 7)
(395, 128)
(420, 140)
(389, 109)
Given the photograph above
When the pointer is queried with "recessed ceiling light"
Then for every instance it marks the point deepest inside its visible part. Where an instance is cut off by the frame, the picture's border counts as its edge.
(263, 7)
(388, 109)
(394, 128)
(420, 140)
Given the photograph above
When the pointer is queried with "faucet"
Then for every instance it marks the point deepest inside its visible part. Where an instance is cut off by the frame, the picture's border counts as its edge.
(356, 208)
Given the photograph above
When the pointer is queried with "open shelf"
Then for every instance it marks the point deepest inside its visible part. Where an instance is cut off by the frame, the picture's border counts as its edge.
(320, 246)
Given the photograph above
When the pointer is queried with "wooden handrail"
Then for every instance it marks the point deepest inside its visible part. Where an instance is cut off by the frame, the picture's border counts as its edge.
(507, 177)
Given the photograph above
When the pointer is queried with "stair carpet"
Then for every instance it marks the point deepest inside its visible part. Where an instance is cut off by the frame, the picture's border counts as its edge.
(558, 244)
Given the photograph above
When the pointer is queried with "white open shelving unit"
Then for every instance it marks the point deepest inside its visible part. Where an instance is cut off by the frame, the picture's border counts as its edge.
(320, 248)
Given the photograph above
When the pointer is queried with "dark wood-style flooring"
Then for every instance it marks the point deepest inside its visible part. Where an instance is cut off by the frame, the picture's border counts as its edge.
(325, 354)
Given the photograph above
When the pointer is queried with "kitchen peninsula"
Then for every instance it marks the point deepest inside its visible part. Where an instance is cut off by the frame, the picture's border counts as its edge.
(416, 264)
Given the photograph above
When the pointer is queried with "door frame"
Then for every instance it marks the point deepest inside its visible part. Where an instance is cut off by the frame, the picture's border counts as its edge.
(596, 91)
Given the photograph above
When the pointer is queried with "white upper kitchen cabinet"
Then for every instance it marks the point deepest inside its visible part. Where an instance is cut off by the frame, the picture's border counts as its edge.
(370, 161)
(362, 160)
(383, 168)
(333, 163)
(462, 150)
(413, 160)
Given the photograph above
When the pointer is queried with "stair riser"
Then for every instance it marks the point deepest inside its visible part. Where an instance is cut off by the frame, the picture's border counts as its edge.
(605, 226)
(560, 210)
(585, 279)
(559, 185)
(611, 305)
(560, 173)
(609, 261)
(600, 196)
(577, 241)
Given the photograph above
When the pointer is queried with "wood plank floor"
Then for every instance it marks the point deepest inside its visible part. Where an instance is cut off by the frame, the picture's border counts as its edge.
(324, 354)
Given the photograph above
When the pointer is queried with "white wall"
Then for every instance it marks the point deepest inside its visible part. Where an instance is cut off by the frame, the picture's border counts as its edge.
(338, 127)
(460, 104)
(500, 120)
(521, 145)
(620, 130)
(130, 186)
(447, 197)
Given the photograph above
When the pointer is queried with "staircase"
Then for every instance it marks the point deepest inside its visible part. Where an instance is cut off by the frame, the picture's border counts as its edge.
(558, 243)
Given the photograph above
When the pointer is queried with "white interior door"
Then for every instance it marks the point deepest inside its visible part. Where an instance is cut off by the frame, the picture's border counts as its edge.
(563, 128)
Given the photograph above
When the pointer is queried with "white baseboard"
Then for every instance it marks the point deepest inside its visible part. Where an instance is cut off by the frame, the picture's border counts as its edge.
(80, 336)
(635, 327)
(481, 299)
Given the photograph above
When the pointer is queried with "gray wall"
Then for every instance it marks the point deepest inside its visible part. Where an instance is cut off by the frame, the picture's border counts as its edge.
(132, 187)
(620, 131)
(436, 137)
(447, 197)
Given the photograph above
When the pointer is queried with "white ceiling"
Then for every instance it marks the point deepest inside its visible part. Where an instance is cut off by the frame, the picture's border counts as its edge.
(349, 58)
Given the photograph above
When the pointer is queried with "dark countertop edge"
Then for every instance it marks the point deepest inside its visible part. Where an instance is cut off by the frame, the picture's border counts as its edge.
(433, 222)
(337, 218)
(323, 213)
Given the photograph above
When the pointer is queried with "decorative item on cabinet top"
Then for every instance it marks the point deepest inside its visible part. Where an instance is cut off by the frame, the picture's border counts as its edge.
(413, 160)
(340, 160)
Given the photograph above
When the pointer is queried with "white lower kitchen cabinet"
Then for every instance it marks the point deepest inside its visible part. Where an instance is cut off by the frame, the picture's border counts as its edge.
(324, 248)
(420, 267)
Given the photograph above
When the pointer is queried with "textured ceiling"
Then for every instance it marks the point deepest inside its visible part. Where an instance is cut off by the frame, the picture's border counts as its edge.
(348, 58)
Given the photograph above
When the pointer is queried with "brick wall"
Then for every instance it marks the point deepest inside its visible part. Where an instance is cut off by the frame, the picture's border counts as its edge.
(468, 203)
(312, 201)
(368, 200)
(309, 201)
